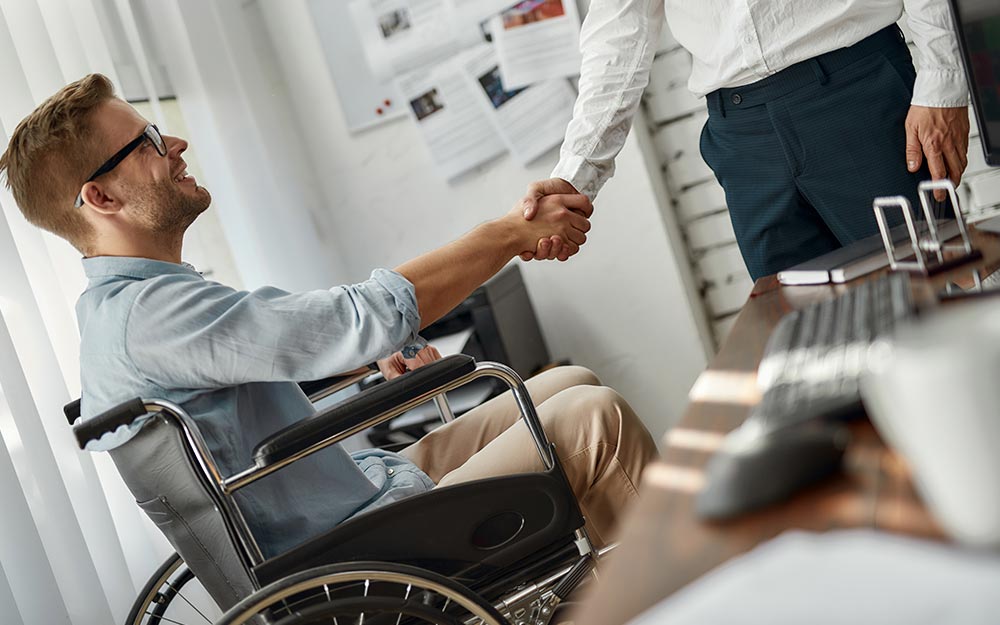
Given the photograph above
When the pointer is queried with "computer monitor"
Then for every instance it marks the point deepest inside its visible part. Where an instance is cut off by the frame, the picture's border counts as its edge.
(978, 24)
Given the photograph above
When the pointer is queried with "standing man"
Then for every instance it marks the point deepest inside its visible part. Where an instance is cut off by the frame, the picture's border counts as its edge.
(815, 108)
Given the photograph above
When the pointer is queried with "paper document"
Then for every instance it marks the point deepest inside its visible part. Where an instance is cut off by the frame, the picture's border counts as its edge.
(453, 124)
(401, 36)
(452, 344)
(537, 40)
(859, 577)
(471, 18)
(530, 120)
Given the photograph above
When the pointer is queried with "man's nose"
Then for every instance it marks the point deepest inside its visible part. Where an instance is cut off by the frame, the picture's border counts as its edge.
(175, 145)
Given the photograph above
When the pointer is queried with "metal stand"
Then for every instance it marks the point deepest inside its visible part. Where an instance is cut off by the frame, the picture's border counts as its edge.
(930, 244)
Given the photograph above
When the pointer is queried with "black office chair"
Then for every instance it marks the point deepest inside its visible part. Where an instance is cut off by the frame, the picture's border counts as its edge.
(505, 549)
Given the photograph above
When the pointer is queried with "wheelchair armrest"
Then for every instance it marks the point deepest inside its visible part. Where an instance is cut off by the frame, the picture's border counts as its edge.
(360, 408)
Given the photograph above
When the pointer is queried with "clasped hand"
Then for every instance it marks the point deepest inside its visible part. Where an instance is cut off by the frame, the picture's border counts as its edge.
(556, 197)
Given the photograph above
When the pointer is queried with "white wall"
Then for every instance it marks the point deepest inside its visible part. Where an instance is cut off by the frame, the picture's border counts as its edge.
(618, 307)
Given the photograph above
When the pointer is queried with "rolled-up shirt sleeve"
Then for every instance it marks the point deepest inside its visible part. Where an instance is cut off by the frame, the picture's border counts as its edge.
(617, 41)
(940, 76)
(183, 331)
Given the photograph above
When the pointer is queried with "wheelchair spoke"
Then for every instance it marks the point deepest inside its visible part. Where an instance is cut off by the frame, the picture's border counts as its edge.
(178, 593)
(164, 619)
(361, 621)
(406, 596)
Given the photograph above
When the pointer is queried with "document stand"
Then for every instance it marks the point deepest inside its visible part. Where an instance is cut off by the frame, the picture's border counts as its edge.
(928, 250)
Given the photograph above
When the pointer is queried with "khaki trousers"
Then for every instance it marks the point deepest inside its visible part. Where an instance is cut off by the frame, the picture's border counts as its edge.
(600, 442)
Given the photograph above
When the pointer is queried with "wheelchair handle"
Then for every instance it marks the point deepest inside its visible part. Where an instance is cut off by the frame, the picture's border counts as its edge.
(110, 420)
(72, 411)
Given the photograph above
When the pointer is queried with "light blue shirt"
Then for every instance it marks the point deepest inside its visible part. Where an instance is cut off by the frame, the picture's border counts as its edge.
(153, 329)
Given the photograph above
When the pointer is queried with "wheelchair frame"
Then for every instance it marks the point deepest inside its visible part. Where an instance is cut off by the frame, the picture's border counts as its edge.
(221, 488)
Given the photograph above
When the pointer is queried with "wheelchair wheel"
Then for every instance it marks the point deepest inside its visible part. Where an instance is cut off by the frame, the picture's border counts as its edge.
(364, 593)
(173, 596)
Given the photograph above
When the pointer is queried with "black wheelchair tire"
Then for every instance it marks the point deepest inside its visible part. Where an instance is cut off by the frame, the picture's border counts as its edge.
(152, 592)
(354, 572)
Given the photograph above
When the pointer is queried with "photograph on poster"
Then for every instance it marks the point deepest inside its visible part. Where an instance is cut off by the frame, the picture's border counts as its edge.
(531, 11)
(394, 22)
(426, 105)
(493, 87)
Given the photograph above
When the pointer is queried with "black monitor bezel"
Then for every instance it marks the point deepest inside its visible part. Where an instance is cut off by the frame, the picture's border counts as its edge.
(990, 145)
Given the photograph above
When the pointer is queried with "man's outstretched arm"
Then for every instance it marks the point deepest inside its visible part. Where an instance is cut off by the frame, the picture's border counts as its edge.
(186, 332)
(446, 276)
(617, 42)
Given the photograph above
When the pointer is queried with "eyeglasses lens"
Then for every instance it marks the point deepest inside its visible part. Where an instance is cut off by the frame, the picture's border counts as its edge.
(157, 139)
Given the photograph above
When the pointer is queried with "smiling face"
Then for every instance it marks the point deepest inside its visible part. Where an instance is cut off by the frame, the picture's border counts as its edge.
(150, 191)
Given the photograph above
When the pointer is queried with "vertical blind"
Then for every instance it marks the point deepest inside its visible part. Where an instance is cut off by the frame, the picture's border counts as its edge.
(74, 548)
(63, 549)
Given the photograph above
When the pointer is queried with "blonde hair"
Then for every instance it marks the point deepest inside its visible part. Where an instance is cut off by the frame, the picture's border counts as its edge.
(50, 155)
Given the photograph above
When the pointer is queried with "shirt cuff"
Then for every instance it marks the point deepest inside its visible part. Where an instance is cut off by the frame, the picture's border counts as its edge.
(405, 298)
(585, 177)
(940, 88)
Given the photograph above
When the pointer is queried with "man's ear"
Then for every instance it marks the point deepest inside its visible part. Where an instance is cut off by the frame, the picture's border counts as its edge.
(96, 196)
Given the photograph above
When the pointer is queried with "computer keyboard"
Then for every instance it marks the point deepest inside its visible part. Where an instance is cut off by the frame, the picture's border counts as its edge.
(809, 378)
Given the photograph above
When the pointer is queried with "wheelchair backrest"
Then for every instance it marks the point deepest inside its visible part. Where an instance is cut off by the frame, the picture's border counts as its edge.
(157, 468)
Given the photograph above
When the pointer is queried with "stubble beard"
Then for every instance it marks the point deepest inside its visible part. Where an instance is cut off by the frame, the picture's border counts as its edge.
(166, 210)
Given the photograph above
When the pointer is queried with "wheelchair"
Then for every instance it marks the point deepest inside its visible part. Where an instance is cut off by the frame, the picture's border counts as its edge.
(507, 550)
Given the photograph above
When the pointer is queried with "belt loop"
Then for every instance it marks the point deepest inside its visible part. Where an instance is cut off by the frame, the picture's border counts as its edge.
(818, 70)
(722, 103)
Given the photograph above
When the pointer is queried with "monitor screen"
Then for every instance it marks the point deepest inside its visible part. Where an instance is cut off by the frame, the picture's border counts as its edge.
(978, 23)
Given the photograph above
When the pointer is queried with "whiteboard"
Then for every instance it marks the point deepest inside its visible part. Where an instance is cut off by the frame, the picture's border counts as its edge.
(365, 100)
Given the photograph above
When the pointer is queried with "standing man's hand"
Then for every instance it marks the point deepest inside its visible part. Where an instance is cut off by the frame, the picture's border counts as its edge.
(557, 216)
(942, 135)
(551, 247)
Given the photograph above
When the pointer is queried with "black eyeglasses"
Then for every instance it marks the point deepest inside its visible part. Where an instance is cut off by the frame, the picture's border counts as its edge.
(151, 132)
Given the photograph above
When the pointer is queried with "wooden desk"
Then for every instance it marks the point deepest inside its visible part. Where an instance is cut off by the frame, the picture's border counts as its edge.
(664, 546)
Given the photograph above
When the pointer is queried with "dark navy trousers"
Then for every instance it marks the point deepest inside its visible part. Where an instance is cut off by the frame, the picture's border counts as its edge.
(802, 154)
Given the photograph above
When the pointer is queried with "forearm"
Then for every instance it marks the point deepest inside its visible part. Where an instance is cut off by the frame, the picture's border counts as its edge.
(940, 78)
(446, 276)
(618, 40)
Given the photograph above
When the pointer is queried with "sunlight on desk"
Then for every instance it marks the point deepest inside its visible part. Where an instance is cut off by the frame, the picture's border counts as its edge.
(696, 440)
(726, 387)
(671, 477)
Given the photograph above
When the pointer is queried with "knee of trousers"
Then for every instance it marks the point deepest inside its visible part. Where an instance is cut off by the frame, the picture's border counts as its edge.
(573, 375)
(595, 412)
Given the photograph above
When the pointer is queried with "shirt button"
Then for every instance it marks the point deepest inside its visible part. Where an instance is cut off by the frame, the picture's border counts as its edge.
(737, 98)
(390, 471)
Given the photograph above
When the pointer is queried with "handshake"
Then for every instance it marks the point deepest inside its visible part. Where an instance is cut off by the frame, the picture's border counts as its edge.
(551, 221)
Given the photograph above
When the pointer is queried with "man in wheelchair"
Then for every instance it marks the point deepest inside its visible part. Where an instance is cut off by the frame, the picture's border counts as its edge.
(87, 167)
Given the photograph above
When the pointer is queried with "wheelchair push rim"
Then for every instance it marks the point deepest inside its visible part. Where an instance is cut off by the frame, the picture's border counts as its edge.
(350, 592)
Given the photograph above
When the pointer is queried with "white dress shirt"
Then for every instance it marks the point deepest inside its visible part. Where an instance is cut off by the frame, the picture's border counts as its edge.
(733, 43)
